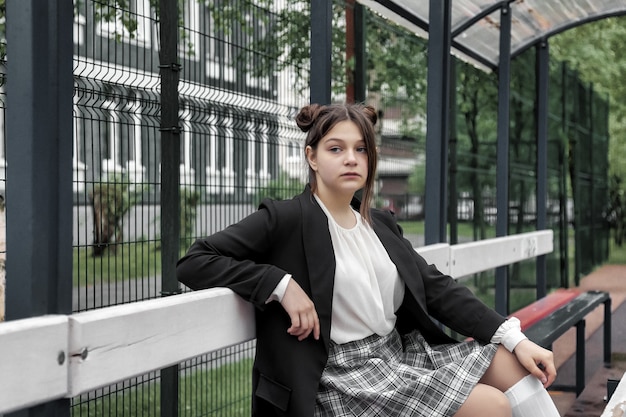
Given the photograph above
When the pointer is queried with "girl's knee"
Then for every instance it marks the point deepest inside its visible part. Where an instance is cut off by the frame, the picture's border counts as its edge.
(502, 405)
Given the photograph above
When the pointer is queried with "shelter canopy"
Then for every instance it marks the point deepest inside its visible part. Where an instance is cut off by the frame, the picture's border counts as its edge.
(475, 24)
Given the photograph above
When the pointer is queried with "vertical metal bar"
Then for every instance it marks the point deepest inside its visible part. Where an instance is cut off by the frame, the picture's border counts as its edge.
(576, 178)
(563, 173)
(453, 193)
(39, 172)
(502, 154)
(437, 112)
(321, 50)
(580, 357)
(170, 180)
(607, 333)
(592, 181)
(360, 54)
(350, 50)
(542, 77)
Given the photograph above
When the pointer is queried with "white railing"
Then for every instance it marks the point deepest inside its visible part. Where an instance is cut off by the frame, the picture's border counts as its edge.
(56, 356)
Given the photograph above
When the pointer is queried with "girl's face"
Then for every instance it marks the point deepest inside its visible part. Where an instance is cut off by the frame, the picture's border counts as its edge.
(340, 161)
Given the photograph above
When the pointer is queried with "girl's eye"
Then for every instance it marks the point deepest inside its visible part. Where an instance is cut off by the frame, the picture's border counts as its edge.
(361, 149)
(335, 149)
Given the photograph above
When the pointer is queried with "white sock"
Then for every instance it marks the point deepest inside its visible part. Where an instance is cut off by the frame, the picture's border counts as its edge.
(529, 398)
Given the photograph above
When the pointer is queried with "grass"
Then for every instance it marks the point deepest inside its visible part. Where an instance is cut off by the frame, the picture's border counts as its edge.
(464, 229)
(617, 254)
(130, 260)
(223, 391)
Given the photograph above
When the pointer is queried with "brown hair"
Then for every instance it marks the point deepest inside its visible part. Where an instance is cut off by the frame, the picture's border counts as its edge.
(317, 121)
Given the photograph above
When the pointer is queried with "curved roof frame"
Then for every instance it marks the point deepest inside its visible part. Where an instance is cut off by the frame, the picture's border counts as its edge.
(475, 24)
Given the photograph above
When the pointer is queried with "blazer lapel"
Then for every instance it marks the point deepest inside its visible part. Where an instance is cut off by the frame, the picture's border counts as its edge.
(320, 259)
(403, 260)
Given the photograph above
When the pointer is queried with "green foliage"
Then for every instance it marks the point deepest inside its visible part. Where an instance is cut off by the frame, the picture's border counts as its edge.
(397, 67)
(616, 210)
(584, 47)
(117, 193)
(417, 180)
(276, 38)
(477, 100)
(280, 188)
(111, 199)
(189, 198)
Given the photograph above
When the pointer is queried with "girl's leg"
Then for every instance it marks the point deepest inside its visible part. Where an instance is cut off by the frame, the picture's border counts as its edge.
(504, 371)
(527, 396)
(485, 400)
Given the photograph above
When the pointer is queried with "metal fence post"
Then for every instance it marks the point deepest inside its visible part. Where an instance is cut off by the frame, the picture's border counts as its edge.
(39, 169)
(321, 50)
(437, 115)
(502, 168)
(170, 180)
(543, 75)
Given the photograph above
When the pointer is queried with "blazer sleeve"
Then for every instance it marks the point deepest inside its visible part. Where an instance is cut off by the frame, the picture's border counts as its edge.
(456, 306)
(233, 258)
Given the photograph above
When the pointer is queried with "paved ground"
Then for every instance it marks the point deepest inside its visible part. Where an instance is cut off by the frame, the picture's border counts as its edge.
(592, 401)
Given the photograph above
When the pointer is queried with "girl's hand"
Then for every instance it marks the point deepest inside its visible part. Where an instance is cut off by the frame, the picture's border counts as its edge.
(302, 312)
(537, 360)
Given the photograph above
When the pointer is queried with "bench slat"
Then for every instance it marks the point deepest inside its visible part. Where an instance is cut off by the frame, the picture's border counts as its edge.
(545, 332)
(536, 311)
(472, 257)
(437, 254)
(33, 361)
(117, 343)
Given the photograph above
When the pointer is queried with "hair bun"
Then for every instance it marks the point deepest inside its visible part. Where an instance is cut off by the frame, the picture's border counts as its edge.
(370, 113)
(307, 116)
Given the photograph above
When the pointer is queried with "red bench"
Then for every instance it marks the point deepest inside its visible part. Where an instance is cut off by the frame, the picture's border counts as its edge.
(536, 311)
(550, 317)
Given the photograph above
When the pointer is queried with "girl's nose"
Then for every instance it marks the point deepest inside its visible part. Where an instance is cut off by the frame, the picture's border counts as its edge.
(350, 161)
(350, 158)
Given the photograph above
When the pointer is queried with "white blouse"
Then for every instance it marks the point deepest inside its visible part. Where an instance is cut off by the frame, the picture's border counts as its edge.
(367, 289)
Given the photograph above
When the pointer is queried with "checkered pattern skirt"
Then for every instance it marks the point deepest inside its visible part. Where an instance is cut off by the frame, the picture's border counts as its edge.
(392, 376)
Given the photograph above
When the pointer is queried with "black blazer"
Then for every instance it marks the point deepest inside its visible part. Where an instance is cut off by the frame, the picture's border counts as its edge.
(292, 236)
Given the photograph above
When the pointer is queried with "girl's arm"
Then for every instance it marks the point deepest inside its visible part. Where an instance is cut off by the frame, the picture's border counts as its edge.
(234, 258)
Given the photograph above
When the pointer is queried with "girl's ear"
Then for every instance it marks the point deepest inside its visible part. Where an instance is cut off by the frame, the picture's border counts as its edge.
(310, 157)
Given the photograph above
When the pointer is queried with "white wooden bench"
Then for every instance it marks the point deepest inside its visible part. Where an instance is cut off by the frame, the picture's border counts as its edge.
(61, 356)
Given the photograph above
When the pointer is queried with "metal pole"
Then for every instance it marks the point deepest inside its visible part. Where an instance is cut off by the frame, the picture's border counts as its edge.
(563, 172)
(360, 54)
(502, 163)
(437, 114)
(452, 152)
(39, 171)
(321, 50)
(607, 333)
(542, 77)
(170, 180)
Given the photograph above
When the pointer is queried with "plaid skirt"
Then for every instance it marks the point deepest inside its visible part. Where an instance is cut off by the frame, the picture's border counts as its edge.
(391, 376)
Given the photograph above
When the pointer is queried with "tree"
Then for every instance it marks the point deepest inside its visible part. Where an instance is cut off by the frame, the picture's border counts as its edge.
(477, 107)
(583, 48)
(276, 35)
